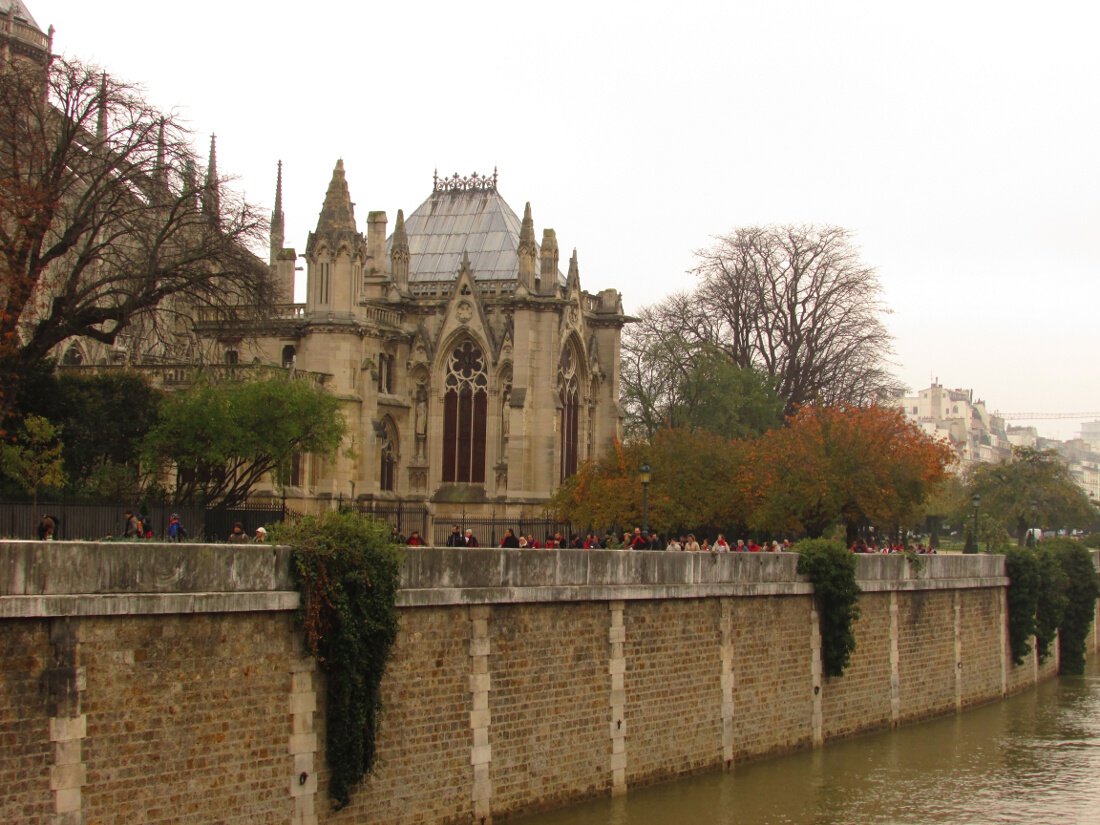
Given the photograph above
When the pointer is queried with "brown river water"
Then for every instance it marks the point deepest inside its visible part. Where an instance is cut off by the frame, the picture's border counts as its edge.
(1034, 758)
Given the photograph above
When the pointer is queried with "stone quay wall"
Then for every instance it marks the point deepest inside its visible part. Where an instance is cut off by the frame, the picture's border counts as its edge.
(168, 683)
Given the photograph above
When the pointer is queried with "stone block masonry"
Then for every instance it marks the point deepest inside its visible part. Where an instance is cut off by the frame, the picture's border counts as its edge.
(169, 684)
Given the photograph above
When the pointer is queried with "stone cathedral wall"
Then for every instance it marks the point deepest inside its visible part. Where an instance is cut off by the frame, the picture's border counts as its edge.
(169, 684)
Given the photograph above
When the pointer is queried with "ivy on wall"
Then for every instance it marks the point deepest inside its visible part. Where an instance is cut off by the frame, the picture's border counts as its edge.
(832, 569)
(1052, 594)
(348, 572)
(1022, 569)
(1082, 589)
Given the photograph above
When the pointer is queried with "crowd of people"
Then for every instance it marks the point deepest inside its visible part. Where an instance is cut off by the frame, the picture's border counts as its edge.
(862, 546)
(641, 540)
(638, 540)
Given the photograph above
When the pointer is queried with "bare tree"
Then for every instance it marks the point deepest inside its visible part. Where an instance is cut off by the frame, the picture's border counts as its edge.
(656, 359)
(797, 304)
(104, 226)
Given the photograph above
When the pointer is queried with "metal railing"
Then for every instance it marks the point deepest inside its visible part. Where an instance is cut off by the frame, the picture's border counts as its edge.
(83, 521)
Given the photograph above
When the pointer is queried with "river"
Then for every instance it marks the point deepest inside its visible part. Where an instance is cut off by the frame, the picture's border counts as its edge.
(1034, 758)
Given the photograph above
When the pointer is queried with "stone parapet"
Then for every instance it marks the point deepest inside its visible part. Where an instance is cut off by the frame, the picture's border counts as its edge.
(45, 579)
(444, 575)
(89, 579)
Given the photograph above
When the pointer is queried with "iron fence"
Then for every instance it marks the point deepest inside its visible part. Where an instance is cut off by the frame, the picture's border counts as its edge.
(406, 517)
(83, 521)
(489, 531)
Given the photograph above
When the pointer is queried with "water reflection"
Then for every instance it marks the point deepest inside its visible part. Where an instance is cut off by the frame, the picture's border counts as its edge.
(1032, 759)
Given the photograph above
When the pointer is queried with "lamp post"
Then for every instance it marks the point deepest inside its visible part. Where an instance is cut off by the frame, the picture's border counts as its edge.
(976, 500)
(645, 474)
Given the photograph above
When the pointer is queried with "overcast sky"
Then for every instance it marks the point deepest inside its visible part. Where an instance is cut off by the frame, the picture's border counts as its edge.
(959, 141)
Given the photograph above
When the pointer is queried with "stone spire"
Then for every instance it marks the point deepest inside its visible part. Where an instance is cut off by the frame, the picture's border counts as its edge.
(399, 253)
(211, 194)
(548, 270)
(527, 251)
(278, 223)
(191, 182)
(101, 110)
(338, 213)
(573, 279)
(162, 166)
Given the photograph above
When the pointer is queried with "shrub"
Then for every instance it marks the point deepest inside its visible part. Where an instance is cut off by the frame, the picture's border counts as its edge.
(348, 572)
(1052, 593)
(1022, 568)
(1051, 605)
(1081, 590)
(832, 569)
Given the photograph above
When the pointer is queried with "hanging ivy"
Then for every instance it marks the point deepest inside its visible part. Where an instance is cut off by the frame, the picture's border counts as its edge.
(1022, 569)
(1051, 606)
(832, 569)
(1082, 587)
(348, 573)
(1052, 594)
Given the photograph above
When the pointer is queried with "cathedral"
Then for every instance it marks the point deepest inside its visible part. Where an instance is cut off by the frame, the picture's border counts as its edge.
(474, 376)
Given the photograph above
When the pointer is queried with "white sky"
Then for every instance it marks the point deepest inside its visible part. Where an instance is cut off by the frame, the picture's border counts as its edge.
(960, 141)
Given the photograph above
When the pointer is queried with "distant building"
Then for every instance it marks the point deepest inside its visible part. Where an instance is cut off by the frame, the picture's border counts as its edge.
(954, 417)
(977, 436)
(1090, 434)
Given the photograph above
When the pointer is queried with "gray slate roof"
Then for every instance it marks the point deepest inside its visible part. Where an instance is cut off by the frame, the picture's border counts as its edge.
(449, 223)
(21, 12)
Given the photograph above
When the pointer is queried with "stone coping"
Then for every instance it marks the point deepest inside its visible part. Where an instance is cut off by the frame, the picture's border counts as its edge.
(124, 578)
(51, 568)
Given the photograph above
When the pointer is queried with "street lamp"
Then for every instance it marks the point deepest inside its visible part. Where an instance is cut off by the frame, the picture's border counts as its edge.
(976, 500)
(645, 474)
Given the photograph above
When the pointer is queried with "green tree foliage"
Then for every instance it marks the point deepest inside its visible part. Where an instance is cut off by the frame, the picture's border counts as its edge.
(671, 383)
(692, 484)
(1034, 489)
(103, 419)
(33, 459)
(832, 569)
(349, 573)
(727, 400)
(223, 438)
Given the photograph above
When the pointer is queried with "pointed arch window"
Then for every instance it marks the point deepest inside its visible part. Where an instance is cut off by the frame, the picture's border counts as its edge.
(387, 474)
(569, 397)
(465, 403)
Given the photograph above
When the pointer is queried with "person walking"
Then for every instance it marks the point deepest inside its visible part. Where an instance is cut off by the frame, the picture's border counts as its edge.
(175, 531)
(47, 528)
(238, 536)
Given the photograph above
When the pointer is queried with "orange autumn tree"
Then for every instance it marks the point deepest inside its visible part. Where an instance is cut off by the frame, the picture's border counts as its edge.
(847, 465)
(692, 484)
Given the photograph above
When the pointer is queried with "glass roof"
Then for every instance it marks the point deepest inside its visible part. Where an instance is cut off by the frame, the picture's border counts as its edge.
(449, 223)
